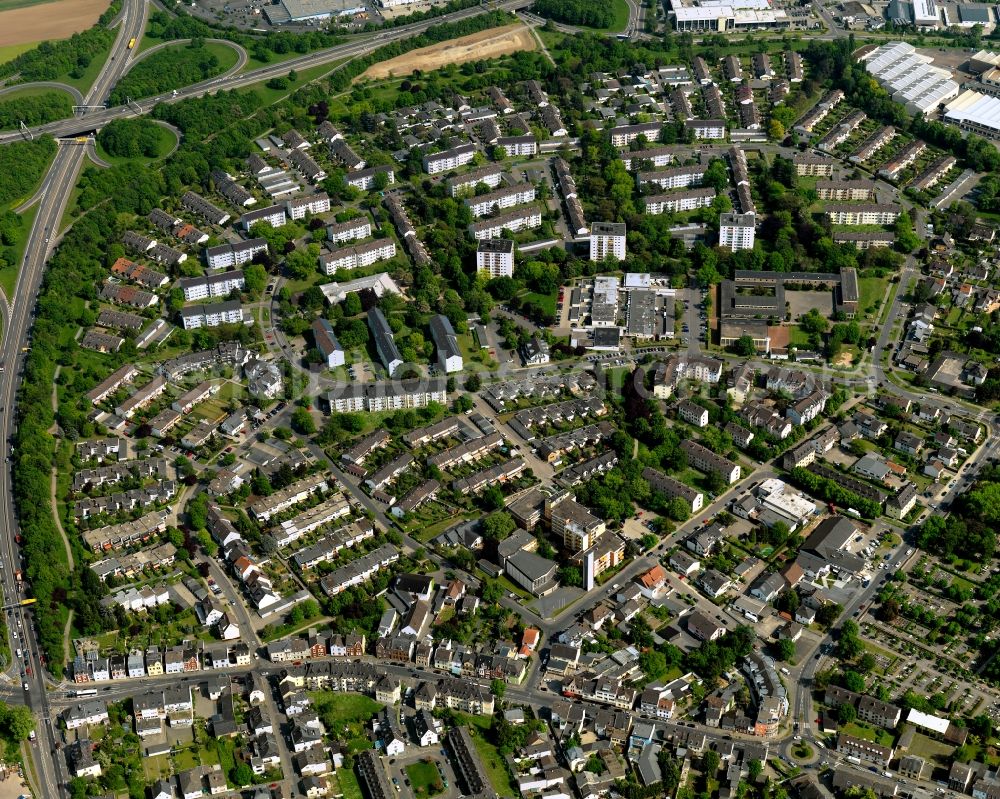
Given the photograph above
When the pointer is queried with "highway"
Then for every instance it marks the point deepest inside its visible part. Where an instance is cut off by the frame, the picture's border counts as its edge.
(95, 119)
(49, 772)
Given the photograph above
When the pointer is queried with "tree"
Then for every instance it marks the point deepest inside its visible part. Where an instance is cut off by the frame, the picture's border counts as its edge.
(16, 722)
(351, 304)
(653, 664)
(497, 526)
(498, 688)
(711, 761)
(303, 422)
(715, 482)
(775, 130)
(473, 382)
(744, 346)
(828, 614)
(846, 713)
(786, 649)
(755, 769)
(814, 322)
(492, 592)
(866, 663)
(241, 774)
(854, 682)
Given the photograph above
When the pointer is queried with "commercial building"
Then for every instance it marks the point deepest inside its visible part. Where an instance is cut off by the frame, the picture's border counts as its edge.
(976, 113)
(720, 16)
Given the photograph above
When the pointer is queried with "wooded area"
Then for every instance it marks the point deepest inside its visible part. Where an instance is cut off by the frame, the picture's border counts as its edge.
(36, 109)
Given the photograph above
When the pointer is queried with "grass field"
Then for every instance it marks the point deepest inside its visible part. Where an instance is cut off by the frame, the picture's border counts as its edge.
(167, 142)
(10, 5)
(11, 51)
(424, 779)
(270, 95)
(344, 708)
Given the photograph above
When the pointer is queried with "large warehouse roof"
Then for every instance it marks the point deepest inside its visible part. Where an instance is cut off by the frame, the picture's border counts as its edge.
(910, 77)
(974, 111)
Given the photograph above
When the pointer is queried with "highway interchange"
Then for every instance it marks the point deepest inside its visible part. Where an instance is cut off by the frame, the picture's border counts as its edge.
(34, 686)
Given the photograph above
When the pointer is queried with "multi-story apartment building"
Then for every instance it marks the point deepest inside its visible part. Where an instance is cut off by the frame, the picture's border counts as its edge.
(506, 197)
(863, 190)
(274, 216)
(444, 161)
(495, 258)
(220, 313)
(385, 343)
(677, 201)
(358, 256)
(514, 221)
(705, 460)
(298, 207)
(225, 256)
(203, 288)
(737, 231)
(862, 213)
(607, 240)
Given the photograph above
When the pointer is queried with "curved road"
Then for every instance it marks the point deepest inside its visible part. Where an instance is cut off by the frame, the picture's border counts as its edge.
(46, 84)
(241, 54)
(97, 118)
(49, 772)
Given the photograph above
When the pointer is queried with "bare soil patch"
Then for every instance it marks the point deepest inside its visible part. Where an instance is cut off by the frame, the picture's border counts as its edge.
(491, 43)
(57, 20)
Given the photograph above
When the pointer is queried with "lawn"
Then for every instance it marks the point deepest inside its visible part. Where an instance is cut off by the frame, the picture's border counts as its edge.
(870, 291)
(424, 779)
(867, 733)
(798, 337)
(547, 302)
(349, 784)
(344, 708)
